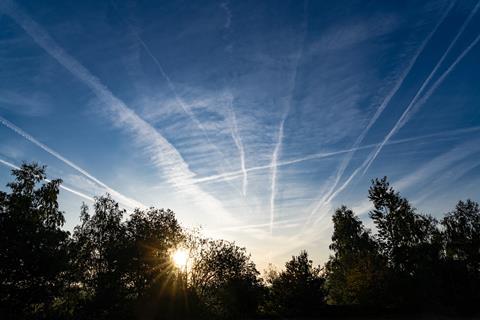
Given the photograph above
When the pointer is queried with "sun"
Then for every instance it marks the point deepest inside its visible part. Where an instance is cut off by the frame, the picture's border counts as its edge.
(179, 258)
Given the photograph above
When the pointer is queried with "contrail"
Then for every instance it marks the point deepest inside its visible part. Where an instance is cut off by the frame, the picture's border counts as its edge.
(379, 111)
(279, 143)
(284, 223)
(403, 119)
(162, 154)
(274, 169)
(366, 164)
(320, 155)
(185, 107)
(405, 116)
(238, 142)
(122, 198)
(78, 193)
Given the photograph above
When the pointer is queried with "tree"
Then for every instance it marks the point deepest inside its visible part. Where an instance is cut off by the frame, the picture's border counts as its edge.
(461, 234)
(298, 290)
(224, 278)
(123, 266)
(33, 247)
(411, 243)
(101, 260)
(155, 284)
(355, 273)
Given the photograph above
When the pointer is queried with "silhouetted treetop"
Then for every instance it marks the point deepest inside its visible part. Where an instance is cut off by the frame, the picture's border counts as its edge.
(120, 265)
(462, 233)
(33, 248)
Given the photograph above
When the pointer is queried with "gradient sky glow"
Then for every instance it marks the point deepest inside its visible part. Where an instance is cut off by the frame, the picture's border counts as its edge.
(252, 119)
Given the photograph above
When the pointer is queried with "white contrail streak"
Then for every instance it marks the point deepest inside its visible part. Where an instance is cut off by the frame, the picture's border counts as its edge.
(162, 154)
(273, 165)
(185, 107)
(278, 145)
(238, 142)
(403, 119)
(120, 197)
(78, 193)
(406, 114)
(321, 155)
(284, 223)
(386, 101)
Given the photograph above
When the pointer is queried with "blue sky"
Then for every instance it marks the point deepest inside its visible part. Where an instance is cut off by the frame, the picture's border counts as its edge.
(252, 119)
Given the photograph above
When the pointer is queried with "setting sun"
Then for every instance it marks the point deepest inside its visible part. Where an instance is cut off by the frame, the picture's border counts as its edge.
(180, 258)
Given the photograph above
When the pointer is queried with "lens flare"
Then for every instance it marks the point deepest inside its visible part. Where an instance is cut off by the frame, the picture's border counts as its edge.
(179, 258)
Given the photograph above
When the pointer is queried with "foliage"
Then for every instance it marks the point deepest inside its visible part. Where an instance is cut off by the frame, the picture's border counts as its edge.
(404, 236)
(461, 270)
(356, 272)
(119, 266)
(33, 247)
(462, 234)
(297, 290)
(224, 278)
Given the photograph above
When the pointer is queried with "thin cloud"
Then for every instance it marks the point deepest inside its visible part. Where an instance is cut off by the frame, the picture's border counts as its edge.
(75, 192)
(331, 193)
(278, 145)
(185, 107)
(321, 155)
(273, 165)
(120, 197)
(405, 117)
(407, 113)
(162, 154)
(238, 142)
(228, 14)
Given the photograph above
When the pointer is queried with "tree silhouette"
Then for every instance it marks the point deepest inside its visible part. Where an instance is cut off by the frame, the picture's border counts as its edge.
(356, 272)
(224, 278)
(101, 260)
(298, 290)
(119, 266)
(154, 282)
(461, 234)
(33, 247)
(410, 242)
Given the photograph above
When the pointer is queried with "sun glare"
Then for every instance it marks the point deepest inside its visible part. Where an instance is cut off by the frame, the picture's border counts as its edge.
(179, 258)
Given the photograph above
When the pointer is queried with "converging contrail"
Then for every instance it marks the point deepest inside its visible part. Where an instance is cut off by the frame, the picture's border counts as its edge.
(185, 107)
(405, 116)
(403, 119)
(278, 145)
(321, 155)
(163, 155)
(238, 142)
(78, 193)
(274, 169)
(120, 197)
(386, 101)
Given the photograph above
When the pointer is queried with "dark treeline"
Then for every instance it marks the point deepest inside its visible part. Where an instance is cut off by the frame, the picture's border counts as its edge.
(119, 266)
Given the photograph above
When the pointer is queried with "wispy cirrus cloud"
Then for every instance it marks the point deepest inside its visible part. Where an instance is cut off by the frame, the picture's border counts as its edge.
(415, 102)
(280, 135)
(322, 155)
(238, 142)
(332, 192)
(71, 190)
(131, 203)
(173, 88)
(162, 154)
(418, 100)
(25, 103)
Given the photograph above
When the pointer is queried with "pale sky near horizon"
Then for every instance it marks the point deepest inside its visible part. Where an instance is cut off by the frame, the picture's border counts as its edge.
(252, 119)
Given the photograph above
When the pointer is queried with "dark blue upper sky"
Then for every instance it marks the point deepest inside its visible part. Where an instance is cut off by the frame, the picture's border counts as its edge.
(254, 119)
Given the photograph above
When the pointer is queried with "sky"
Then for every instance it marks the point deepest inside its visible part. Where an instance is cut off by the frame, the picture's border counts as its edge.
(253, 120)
